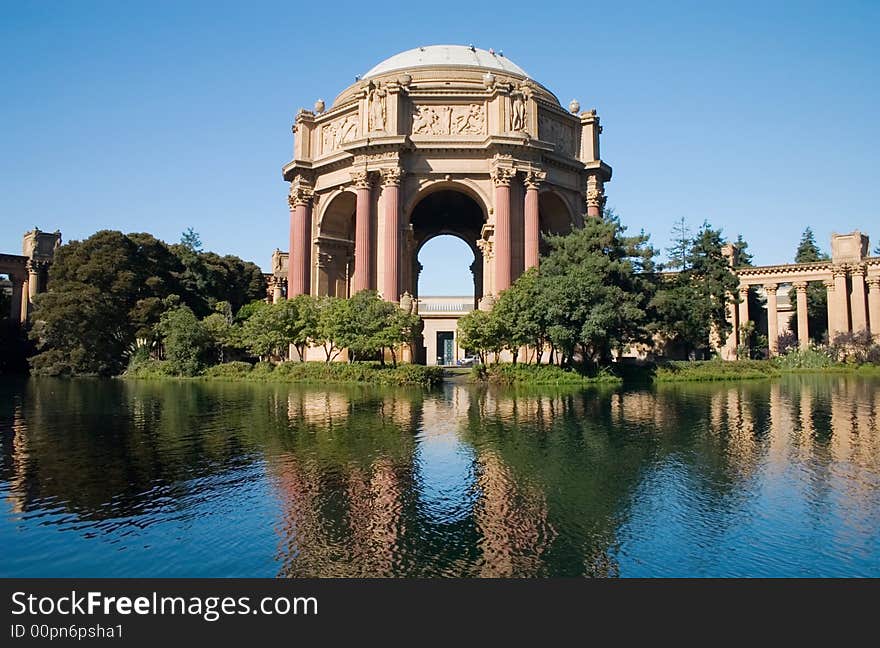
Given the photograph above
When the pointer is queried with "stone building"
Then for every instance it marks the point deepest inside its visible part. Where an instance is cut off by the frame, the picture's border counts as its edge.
(27, 274)
(444, 139)
(852, 281)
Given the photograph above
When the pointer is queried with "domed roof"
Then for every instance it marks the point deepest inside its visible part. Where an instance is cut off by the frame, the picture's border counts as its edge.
(455, 56)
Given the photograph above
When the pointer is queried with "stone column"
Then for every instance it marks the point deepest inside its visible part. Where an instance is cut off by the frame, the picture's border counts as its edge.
(595, 196)
(532, 224)
(33, 279)
(743, 311)
(299, 259)
(362, 236)
(17, 298)
(857, 300)
(840, 306)
(874, 305)
(802, 322)
(830, 297)
(502, 177)
(24, 306)
(772, 319)
(276, 290)
(391, 195)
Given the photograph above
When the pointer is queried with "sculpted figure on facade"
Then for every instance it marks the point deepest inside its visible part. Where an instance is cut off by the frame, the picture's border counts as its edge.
(376, 107)
(518, 110)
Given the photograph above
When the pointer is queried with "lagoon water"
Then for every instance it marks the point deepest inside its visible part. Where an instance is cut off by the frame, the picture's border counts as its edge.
(132, 478)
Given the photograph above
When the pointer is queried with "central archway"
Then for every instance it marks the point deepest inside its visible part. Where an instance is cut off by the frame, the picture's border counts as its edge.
(447, 211)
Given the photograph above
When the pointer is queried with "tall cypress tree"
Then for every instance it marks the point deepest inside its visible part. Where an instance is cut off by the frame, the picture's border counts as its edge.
(808, 251)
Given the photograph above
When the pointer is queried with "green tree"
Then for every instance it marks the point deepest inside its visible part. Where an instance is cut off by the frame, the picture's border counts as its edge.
(185, 340)
(478, 332)
(333, 325)
(817, 297)
(682, 240)
(743, 258)
(221, 329)
(521, 313)
(597, 284)
(692, 305)
(262, 333)
(808, 251)
(398, 330)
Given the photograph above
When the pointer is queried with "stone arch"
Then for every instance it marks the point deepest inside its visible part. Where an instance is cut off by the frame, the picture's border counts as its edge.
(445, 208)
(334, 244)
(555, 216)
(462, 185)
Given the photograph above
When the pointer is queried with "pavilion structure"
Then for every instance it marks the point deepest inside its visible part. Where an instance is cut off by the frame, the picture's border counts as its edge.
(443, 139)
(851, 279)
(28, 273)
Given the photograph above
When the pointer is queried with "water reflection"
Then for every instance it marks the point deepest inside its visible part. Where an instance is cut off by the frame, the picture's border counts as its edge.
(112, 478)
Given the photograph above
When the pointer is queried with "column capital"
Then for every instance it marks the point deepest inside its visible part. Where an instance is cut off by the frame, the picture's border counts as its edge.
(502, 176)
(838, 271)
(829, 284)
(771, 288)
(391, 177)
(361, 179)
(299, 196)
(873, 282)
(595, 192)
(858, 270)
(533, 179)
(744, 291)
(800, 286)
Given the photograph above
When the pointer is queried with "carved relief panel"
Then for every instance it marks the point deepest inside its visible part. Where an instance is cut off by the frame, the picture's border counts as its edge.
(338, 131)
(555, 130)
(466, 119)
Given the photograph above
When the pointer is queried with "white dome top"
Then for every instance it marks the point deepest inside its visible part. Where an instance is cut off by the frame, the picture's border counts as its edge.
(447, 56)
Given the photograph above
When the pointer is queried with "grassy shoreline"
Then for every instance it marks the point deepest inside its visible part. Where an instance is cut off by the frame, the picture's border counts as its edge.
(664, 372)
(336, 373)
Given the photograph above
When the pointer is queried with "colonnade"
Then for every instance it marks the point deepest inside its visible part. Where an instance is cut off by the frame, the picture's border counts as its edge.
(853, 298)
(388, 182)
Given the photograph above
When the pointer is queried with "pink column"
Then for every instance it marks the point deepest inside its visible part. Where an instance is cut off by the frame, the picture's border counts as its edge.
(533, 232)
(803, 323)
(391, 195)
(502, 178)
(362, 247)
(874, 306)
(300, 234)
(772, 318)
(595, 197)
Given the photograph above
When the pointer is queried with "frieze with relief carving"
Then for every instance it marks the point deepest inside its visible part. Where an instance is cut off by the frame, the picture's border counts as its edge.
(559, 133)
(469, 119)
(335, 133)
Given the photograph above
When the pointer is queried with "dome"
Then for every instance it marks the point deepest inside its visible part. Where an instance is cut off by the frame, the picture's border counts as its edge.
(455, 56)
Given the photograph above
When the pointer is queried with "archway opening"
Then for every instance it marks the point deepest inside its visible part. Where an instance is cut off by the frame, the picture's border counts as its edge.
(335, 246)
(448, 214)
(554, 217)
(446, 271)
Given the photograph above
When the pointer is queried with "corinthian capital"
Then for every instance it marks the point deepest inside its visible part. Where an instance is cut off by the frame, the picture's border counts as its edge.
(391, 177)
(299, 194)
(534, 179)
(360, 179)
(502, 176)
(595, 192)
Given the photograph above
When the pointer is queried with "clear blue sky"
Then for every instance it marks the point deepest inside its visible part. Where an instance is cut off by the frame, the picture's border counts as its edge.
(759, 117)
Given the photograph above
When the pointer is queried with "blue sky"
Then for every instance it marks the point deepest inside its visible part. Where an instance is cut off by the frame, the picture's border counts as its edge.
(760, 118)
